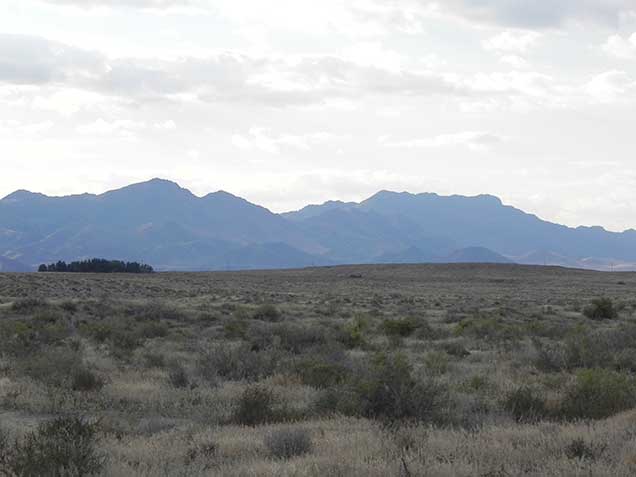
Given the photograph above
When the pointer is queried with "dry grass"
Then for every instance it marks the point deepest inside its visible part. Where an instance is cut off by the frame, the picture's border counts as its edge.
(428, 354)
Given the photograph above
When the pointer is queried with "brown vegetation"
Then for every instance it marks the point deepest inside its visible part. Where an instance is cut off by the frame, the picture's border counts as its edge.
(468, 370)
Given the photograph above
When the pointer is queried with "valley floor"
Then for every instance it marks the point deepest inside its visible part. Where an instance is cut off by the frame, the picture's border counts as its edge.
(423, 370)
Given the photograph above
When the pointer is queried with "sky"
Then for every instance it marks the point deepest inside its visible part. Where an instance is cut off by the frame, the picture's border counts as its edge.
(291, 102)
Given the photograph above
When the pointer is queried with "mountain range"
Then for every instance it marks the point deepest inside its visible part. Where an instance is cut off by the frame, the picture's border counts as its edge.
(170, 228)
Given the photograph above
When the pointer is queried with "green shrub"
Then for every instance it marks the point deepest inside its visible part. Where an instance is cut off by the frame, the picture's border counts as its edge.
(85, 380)
(288, 443)
(235, 329)
(580, 449)
(525, 405)
(153, 329)
(204, 450)
(455, 349)
(267, 313)
(27, 306)
(99, 331)
(237, 363)
(153, 360)
(177, 376)
(321, 374)
(17, 337)
(69, 306)
(488, 329)
(601, 309)
(625, 360)
(59, 448)
(352, 335)
(550, 357)
(54, 366)
(597, 394)
(399, 328)
(44, 316)
(255, 406)
(154, 312)
(124, 340)
(583, 349)
(388, 391)
(291, 337)
(426, 331)
(436, 363)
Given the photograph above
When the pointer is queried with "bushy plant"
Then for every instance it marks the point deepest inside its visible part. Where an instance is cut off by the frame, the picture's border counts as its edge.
(66, 446)
(177, 376)
(550, 357)
(320, 373)
(525, 405)
(235, 328)
(436, 362)
(290, 337)
(400, 327)
(237, 363)
(352, 335)
(255, 406)
(493, 329)
(289, 442)
(99, 331)
(26, 306)
(597, 394)
(584, 349)
(456, 349)
(54, 366)
(267, 312)
(601, 309)
(153, 329)
(153, 312)
(153, 360)
(387, 391)
(83, 379)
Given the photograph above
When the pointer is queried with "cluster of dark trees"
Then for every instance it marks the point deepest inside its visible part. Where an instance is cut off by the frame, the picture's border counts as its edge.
(97, 265)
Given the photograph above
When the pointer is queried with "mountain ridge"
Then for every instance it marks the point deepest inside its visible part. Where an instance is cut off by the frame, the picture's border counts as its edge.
(168, 226)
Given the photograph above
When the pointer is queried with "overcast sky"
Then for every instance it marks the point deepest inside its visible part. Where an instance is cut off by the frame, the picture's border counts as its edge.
(289, 102)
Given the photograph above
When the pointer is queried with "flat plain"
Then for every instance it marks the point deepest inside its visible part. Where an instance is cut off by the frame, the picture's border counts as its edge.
(423, 370)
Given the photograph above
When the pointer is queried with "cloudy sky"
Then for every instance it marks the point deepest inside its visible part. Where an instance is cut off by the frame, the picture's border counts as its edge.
(290, 102)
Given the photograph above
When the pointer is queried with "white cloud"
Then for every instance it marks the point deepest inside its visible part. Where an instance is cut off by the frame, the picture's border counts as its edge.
(540, 13)
(168, 125)
(610, 86)
(144, 4)
(512, 41)
(478, 141)
(13, 127)
(619, 47)
(262, 139)
(121, 127)
(80, 78)
(515, 61)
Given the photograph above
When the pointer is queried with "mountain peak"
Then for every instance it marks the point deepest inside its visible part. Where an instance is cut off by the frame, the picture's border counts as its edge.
(22, 195)
(154, 186)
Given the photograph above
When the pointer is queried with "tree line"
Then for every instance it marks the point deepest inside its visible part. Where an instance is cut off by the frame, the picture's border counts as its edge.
(97, 265)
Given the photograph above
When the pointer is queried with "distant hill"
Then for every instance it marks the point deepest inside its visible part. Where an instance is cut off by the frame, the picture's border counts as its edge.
(8, 265)
(161, 223)
(476, 255)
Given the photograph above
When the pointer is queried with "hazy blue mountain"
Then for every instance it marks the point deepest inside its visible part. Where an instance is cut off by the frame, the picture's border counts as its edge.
(409, 255)
(483, 221)
(155, 221)
(475, 255)
(8, 265)
(316, 210)
(353, 235)
(167, 226)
